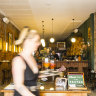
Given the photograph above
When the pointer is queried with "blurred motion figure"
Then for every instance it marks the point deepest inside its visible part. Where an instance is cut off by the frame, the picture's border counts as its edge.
(24, 66)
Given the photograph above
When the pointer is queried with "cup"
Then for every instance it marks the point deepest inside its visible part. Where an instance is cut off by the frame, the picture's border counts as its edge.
(61, 74)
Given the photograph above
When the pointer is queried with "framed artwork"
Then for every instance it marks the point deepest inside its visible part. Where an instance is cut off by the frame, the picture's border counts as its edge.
(0, 43)
(10, 42)
(61, 45)
(61, 82)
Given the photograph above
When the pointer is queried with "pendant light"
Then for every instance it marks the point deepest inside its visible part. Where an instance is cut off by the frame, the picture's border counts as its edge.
(43, 40)
(52, 40)
(75, 30)
(73, 39)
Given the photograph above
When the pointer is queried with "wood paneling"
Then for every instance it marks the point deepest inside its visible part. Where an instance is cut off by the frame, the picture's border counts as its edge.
(8, 28)
(75, 64)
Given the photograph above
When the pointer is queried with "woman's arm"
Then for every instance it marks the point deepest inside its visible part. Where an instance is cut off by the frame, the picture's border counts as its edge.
(18, 68)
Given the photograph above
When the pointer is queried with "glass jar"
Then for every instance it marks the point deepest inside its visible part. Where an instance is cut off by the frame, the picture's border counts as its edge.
(46, 63)
(52, 64)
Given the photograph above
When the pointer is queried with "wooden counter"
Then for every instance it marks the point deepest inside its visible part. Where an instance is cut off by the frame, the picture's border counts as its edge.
(52, 93)
(64, 93)
(10, 92)
(73, 64)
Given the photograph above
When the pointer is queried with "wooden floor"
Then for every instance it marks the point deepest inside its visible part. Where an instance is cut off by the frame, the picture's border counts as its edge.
(1, 87)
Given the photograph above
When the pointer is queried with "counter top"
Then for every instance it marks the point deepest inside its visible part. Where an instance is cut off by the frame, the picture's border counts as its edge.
(85, 61)
(10, 88)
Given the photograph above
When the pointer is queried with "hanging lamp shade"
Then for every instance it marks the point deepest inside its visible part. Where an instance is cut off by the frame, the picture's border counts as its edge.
(43, 40)
(75, 30)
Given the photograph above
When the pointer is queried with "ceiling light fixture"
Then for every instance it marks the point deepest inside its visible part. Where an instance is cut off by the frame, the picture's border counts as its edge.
(75, 30)
(43, 40)
(6, 20)
(52, 40)
(73, 40)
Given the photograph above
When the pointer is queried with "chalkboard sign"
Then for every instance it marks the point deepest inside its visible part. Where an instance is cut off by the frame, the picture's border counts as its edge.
(76, 80)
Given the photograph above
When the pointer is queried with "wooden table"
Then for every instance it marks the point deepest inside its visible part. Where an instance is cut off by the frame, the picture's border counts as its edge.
(75, 64)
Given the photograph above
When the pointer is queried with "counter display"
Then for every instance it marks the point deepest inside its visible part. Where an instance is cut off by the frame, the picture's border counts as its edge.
(9, 91)
(48, 87)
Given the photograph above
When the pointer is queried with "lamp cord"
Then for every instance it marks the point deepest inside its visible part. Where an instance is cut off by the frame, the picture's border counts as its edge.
(43, 29)
(5, 32)
(73, 24)
(52, 27)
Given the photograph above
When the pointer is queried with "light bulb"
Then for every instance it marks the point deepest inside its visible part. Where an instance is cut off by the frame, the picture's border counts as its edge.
(42, 40)
(43, 44)
(52, 40)
(73, 40)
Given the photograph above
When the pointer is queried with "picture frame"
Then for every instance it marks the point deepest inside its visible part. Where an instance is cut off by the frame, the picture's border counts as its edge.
(10, 41)
(61, 45)
(59, 82)
(1, 44)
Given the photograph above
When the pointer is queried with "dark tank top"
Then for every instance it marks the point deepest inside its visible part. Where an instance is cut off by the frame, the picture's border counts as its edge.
(30, 79)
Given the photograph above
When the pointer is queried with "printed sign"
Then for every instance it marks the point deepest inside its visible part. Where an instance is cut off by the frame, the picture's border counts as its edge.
(76, 79)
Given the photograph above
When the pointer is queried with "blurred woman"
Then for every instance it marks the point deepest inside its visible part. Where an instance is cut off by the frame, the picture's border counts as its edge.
(24, 66)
